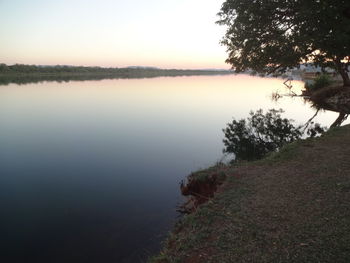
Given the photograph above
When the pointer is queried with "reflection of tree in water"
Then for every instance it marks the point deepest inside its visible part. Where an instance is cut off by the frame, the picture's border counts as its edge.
(323, 93)
(332, 98)
(262, 133)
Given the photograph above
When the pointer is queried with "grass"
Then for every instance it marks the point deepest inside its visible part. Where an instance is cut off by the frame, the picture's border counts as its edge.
(293, 206)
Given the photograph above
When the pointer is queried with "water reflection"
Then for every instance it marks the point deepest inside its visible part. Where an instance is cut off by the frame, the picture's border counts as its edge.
(90, 170)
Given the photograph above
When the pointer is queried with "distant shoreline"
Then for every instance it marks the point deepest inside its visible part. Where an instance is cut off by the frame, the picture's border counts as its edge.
(22, 74)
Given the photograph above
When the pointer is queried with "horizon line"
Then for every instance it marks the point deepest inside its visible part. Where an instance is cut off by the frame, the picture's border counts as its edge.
(106, 67)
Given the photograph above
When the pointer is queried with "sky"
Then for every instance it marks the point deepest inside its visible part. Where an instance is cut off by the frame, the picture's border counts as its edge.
(112, 33)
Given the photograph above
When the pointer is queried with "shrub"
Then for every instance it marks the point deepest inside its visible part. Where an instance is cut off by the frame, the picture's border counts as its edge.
(261, 133)
(320, 82)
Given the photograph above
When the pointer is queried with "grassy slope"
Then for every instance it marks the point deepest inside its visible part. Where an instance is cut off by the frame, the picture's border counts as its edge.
(293, 206)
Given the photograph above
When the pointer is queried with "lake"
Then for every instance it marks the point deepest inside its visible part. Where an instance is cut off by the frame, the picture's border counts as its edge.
(90, 170)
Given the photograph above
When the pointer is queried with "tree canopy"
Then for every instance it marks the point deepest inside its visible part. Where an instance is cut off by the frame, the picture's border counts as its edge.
(271, 36)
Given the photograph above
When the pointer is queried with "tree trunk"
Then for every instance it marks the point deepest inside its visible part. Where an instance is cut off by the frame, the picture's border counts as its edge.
(342, 117)
(345, 77)
(343, 72)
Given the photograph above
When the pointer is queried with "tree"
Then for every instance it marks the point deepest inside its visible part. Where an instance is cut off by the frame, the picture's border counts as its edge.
(3, 68)
(261, 134)
(271, 36)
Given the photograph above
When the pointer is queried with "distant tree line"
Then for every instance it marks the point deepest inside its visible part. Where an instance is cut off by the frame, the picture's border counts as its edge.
(21, 74)
(26, 69)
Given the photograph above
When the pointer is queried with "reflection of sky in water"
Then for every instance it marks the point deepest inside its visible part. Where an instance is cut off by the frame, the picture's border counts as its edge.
(90, 170)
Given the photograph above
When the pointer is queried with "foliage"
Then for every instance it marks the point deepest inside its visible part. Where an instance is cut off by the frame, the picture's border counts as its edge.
(30, 69)
(261, 134)
(320, 82)
(3, 68)
(272, 36)
(315, 130)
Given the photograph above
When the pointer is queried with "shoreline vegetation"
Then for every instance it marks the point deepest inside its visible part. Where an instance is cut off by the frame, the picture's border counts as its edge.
(22, 74)
(292, 206)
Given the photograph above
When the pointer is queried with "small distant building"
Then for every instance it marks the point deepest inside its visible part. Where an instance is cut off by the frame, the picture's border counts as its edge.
(310, 71)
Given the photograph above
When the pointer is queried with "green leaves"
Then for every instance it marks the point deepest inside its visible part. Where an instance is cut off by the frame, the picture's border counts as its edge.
(274, 35)
(261, 134)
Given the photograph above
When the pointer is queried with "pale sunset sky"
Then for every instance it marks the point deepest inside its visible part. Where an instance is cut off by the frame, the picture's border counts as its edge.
(112, 33)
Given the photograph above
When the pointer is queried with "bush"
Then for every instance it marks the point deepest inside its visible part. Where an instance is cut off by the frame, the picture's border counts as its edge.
(261, 134)
(320, 82)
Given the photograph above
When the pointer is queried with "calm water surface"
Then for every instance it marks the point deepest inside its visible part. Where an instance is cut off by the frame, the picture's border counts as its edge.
(90, 171)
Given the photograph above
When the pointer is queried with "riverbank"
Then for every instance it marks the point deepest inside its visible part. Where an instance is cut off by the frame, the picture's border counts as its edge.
(292, 206)
(22, 74)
